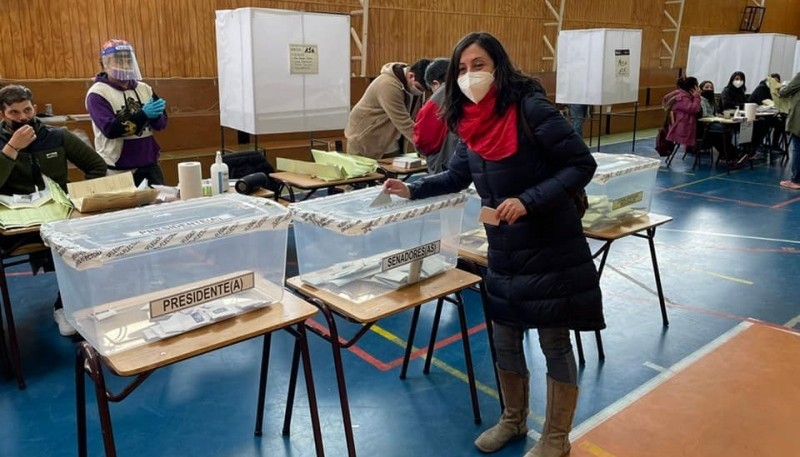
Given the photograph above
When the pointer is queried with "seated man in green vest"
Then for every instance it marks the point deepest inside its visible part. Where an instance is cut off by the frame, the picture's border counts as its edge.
(30, 149)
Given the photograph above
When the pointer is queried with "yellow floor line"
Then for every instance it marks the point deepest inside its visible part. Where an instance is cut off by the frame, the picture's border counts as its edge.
(594, 449)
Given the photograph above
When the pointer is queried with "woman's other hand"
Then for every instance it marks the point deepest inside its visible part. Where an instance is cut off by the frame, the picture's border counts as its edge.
(396, 187)
(511, 210)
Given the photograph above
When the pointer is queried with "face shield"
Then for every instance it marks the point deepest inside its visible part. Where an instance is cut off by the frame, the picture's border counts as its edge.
(119, 61)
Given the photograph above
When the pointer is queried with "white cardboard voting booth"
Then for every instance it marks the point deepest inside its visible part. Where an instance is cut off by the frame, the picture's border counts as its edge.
(716, 57)
(796, 60)
(598, 66)
(283, 71)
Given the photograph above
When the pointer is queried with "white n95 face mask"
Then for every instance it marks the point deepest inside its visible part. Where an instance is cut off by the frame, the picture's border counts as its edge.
(738, 83)
(475, 85)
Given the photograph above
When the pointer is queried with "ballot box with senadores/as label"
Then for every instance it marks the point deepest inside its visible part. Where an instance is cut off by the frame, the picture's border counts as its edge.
(359, 250)
(140, 275)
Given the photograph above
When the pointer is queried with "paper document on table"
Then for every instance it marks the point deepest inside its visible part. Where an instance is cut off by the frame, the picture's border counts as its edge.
(109, 192)
(32, 200)
(57, 208)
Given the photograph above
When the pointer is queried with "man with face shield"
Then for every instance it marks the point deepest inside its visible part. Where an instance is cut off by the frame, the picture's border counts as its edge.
(31, 149)
(124, 112)
(384, 112)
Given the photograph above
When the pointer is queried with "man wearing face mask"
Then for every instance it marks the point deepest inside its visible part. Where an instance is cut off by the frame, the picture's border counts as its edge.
(125, 111)
(31, 149)
(384, 112)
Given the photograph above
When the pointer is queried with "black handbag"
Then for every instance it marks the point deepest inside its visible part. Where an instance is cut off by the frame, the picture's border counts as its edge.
(241, 164)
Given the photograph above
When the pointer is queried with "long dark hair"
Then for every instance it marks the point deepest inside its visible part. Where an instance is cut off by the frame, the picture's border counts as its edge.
(741, 76)
(511, 84)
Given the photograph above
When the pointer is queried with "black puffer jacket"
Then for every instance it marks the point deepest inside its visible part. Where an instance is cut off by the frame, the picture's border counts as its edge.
(541, 272)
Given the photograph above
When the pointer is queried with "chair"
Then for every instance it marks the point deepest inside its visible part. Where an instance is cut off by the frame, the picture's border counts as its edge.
(702, 145)
(16, 250)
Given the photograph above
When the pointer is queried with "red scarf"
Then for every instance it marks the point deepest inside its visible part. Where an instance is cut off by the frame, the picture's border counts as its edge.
(492, 137)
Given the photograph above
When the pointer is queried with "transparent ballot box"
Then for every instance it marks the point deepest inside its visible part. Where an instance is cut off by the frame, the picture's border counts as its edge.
(357, 250)
(473, 233)
(621, 189)
(144, 274)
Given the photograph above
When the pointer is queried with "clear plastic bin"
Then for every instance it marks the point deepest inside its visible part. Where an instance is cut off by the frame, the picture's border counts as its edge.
(473, 233)
(359, 252)
(139, 275)
(621, 189)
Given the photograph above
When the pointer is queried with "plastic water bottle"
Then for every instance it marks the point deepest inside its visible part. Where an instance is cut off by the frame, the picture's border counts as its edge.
(219, 175)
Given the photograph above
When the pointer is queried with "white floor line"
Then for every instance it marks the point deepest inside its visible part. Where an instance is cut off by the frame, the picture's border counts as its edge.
(728, 235)
(792, 323)
(655, 367)
(651, 385)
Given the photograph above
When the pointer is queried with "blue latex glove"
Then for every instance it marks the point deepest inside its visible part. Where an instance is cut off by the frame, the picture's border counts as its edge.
(154, 108)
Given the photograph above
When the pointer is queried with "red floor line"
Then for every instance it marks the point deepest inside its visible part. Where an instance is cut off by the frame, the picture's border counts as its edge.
(354, 349)
(382, 366)
(439, 344)
(712, 197)
(786, 203)
(710, 312)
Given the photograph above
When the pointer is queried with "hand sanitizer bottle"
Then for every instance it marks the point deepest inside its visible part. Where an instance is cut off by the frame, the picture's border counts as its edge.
(219, 175)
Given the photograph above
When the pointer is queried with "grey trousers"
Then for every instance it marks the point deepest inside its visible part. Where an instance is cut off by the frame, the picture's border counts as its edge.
(555, 344)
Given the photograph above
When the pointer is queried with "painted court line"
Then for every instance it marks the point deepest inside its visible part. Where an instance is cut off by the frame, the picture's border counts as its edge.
(655, 367)
(651, 385)
(793, 323)
(729, 235)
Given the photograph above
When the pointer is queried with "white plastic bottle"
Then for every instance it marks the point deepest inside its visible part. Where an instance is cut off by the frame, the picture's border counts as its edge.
(219, 175)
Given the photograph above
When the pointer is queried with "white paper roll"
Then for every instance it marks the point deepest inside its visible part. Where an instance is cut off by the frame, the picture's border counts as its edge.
(750, 111)
(190, 180)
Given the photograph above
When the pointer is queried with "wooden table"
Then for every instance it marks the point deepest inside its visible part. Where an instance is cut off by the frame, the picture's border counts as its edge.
(289, 314)
(369, 312)
(289, 180)
(391, 171)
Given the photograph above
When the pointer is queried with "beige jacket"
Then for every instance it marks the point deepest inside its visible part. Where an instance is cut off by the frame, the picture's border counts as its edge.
(792, 93)
(380, 117)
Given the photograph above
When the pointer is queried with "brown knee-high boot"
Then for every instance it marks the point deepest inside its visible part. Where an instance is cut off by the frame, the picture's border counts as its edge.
(562, 398)
(513, 424)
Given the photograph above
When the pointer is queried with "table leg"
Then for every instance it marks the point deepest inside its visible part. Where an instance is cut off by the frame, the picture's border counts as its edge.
(410, 343)
(579, 345)
(93, 367)
(601, 354)
(5, 363)
(262, 383)
(651, 233)
(473, 391)
(437, 317)
(13, 345)
(302, 341)
(80, 401)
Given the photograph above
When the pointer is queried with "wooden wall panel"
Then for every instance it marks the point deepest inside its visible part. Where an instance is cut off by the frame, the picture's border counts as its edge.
(175, 38)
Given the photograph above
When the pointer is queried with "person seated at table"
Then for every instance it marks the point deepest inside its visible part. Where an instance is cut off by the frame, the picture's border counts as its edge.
(431, 135)
(762, 92)
(708, 100)
(31, 149)
(733, 95)
(684, 105)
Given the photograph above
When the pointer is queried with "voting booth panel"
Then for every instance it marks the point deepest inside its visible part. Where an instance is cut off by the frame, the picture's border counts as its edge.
(796, 60)
(716, 57)
(144, 274)
(359, 248)
(283, 71)
(598, 66)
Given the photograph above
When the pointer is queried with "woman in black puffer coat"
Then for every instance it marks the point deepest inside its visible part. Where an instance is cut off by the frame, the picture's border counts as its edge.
(541, 273)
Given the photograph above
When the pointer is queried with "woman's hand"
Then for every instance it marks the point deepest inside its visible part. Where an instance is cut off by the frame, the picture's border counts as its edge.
(396, 187)
(511, 210)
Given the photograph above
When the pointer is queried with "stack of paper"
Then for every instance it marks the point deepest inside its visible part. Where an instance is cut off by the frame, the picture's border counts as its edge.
(50, 205)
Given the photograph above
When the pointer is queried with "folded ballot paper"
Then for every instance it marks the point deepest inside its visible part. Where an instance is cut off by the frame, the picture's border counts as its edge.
(109, 192)
(330, 165)
(46, 205)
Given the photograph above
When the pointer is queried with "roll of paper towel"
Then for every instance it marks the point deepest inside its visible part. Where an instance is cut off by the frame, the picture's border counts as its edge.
(190, 180)
(750, 111)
